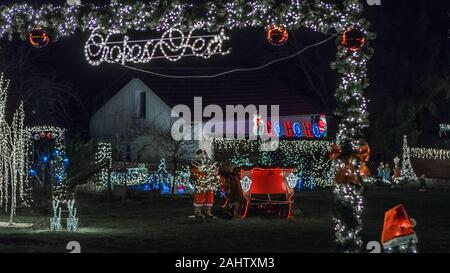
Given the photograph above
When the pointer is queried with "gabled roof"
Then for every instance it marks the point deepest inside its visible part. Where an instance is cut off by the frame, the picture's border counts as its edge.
(257, 87)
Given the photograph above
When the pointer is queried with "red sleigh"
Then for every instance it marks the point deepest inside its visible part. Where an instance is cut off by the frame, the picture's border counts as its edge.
(272, 187)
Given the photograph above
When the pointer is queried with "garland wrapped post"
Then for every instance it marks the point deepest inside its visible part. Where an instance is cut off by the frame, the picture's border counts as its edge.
(351, 150)
(347, 215)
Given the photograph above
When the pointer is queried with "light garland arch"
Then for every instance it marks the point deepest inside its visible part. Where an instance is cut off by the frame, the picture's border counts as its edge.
(321, 16)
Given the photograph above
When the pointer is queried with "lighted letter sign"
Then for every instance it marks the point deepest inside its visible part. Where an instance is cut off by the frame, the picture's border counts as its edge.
(298, 130)
(278, 129)
(303, 127)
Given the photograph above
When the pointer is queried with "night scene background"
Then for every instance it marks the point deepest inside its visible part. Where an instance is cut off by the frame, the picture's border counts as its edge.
(409, 94)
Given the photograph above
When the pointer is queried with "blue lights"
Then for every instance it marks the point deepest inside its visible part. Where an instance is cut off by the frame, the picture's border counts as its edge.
(278, 130)
(44, 159)
(299, 184)
(316, 130)
(165, 189)
(59, 178)
(297, 129)
(66, 162)
(32, 173)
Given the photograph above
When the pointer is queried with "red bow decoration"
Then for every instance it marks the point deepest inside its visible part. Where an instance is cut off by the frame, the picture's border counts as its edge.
(346, 172)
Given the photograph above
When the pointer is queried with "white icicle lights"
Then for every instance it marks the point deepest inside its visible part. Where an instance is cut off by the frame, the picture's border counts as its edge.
(13, 153)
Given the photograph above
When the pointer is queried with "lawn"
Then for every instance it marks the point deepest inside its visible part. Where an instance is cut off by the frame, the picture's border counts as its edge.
(158, 225)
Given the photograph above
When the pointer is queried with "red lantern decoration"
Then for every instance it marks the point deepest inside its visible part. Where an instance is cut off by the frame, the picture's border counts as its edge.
(277, 35)
(353, 39)
(38, 37)
(50, 135)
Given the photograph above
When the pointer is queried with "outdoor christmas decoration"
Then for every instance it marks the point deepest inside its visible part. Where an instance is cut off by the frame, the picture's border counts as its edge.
(346, 166)
(55, 221)
(104, 152)
(14, 187)
(429, 153)
(277, 35)
(203, 172)
(173, 45)
(292, 180)
(347, 217)
(407, 171)
(71, 219)
(143, 179)
(246, 183)
(38, 37)
(204, 176)
(259, 184)
(47, 161)
(309, 158)
(398, 231)
(348, 195)
(327, 18)
(353, 39)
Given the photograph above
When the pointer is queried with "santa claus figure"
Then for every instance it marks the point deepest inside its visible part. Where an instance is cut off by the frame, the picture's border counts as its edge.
(204, 178)
(398, 232)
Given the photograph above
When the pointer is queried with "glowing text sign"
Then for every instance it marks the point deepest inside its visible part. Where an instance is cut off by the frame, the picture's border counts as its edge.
(314, 127)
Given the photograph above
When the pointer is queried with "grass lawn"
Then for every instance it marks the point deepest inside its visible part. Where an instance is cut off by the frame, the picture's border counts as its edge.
(161, 226)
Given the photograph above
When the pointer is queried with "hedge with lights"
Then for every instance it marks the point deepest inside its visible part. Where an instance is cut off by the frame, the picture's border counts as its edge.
(309, 158)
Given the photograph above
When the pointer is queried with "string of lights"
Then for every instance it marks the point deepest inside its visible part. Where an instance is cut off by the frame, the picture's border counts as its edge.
(104, 152)
(173, 45)
(232, 70)
(13, 151)
(58, 157)
(429, 153)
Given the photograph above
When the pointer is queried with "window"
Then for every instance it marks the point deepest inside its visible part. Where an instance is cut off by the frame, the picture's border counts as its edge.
(141, 105)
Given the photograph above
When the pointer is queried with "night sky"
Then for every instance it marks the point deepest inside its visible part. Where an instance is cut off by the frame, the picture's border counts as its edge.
(409, 35)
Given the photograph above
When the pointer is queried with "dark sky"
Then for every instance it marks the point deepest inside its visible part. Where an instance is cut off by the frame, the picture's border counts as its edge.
(395, 22)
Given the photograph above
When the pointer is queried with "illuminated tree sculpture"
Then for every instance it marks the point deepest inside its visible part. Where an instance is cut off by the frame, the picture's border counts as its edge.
(407, 171)
(13, 152)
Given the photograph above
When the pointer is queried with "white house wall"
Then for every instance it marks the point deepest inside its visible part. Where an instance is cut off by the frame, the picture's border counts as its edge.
(116, 118)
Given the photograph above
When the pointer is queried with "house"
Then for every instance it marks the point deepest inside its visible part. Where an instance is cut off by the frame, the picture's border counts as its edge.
(133, 118)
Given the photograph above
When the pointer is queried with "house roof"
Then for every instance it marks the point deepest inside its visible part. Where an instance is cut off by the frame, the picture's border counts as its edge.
(262, 87)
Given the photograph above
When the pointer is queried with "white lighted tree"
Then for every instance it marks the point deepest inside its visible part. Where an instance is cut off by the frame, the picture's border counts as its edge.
(12, 155)
(407, 171)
